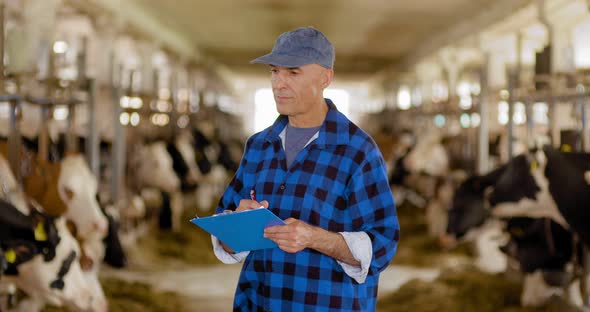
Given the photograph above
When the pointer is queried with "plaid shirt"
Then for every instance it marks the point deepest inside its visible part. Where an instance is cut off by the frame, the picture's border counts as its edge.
(337, 182)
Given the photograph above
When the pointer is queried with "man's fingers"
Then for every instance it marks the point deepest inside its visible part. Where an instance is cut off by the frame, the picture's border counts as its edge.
(276, 229)
(291, 220)
(248, 204)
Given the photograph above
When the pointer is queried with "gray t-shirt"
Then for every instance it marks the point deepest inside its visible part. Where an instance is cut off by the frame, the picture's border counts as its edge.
(295, 141)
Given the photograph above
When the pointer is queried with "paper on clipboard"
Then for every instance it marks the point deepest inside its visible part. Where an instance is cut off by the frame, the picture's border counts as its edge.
(241, 231)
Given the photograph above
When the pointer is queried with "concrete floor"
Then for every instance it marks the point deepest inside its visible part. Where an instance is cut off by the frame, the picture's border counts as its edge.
(212, 288)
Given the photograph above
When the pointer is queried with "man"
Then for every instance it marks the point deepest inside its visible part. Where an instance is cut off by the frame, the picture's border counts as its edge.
(327, 179)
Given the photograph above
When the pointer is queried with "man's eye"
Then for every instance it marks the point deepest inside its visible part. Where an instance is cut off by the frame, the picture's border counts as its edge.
(273, 70)
(294, 72)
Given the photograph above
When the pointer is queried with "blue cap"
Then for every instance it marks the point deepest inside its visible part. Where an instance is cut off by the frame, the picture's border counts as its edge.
(305, 45)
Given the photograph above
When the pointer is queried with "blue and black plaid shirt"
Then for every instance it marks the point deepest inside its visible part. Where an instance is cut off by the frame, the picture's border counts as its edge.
(337, 182)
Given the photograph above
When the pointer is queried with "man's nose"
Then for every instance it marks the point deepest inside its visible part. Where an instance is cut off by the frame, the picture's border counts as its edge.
(278, 81)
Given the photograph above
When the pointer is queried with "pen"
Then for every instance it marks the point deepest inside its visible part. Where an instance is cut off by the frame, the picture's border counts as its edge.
(253, 196)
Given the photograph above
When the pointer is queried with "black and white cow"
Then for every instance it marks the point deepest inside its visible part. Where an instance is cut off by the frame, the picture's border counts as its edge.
(59, 280)
(114, 254)
(469, 209)
(546, 183)
(40, 257)
(25, 236)
(181, 164)
(543, 249)
(539, 244)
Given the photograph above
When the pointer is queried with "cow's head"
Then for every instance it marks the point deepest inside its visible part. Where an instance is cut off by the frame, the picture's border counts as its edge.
(59, 281)
(428, 156)
(77, 187)
(24, 235)
(154, 166)
(468, 209)
(45, 232)
(538, 244)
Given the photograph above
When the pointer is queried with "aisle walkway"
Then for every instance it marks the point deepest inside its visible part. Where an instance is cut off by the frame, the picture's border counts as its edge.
(212, 288)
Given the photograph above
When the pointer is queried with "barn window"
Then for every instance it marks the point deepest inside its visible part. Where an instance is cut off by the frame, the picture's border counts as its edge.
(540, 111)
(581, 42)
(404, 98)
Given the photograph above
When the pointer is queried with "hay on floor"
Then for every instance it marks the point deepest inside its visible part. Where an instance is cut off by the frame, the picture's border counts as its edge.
(126, 296)
(464, 290)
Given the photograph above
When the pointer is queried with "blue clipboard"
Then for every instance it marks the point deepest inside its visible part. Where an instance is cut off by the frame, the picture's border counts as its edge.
(242, 230)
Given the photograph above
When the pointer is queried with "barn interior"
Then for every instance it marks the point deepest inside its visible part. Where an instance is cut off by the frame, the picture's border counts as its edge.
(126, 119)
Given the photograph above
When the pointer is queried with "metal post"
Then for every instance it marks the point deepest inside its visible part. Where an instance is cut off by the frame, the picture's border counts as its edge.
(483, 147)
(14, 139)
(530, 125)
(70, 135)
(510, 125)
(92, 142)
(2, 42)
(118, 152)
(581, 102)
(174, 86)
(44, 134)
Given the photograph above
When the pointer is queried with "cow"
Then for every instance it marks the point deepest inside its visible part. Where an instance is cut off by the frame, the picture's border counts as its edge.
(201, 143)
(426, 168)
(546, 183)
(39, 253)
(428, 156)
(183, 161)
(114, 254)
(152, 167)
(469, 209)
(59, 282)
(68, 189)
(25, 235)
(543, 249)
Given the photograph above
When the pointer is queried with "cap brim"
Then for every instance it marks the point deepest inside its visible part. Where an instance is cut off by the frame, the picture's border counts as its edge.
(283, 60)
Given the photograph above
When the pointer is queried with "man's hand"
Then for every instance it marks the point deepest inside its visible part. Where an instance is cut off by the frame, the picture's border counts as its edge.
(248, 204)
(295, 236)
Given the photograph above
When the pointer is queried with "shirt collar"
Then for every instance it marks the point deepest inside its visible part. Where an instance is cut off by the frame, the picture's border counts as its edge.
(333, 131)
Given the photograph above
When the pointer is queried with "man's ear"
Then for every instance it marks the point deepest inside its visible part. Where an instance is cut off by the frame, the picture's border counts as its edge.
(327, 76)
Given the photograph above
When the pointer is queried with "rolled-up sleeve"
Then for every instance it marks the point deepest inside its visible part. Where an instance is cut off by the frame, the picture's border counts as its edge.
(360, 246)
(373, 209)
(224, 256)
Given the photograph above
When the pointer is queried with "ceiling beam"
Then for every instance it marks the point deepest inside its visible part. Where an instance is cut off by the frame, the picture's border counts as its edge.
(499, 10)
(134, 15)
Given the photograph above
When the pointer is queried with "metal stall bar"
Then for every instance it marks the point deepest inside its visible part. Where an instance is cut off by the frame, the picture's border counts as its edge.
(2, 42)
(14, 101)
(483, 153)
(581, 103)
(530, 125)
(512, 77)
(70, 135)
(14, 135)
(92, 142)
(118, 152)
(46, 106)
